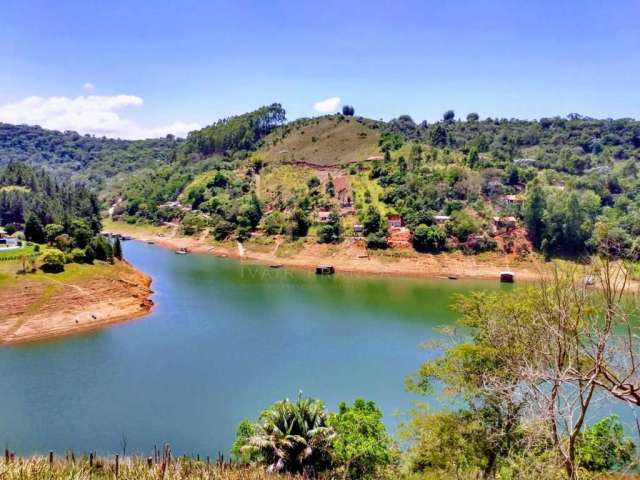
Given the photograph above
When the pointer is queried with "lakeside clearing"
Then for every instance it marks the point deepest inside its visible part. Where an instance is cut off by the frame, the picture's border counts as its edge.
(40, 305)
(349, 256)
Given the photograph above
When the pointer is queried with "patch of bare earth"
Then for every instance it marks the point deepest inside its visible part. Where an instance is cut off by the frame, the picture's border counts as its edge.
(38, 309)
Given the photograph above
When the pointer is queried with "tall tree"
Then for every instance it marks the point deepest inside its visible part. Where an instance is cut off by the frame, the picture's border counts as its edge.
(534, 214)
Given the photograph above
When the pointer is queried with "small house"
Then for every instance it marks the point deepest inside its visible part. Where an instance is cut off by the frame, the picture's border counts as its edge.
(394, 220)
(357, 228)
(441, 219)
(525, 161)
(323, 217)
(512, 199)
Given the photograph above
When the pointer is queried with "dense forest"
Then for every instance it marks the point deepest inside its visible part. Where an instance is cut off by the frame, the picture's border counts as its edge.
(81, 157)
(45, 210)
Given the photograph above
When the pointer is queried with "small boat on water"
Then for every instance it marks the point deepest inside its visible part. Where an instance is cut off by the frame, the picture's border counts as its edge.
(325, 270)
(150, 242)
(182, 251)
(507, 277)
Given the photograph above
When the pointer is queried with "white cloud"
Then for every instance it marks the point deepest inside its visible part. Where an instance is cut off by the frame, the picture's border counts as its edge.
(94, 114)
(328, 105)
(88, 87)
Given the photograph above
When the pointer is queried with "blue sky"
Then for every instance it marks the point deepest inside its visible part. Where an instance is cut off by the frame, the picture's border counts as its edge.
(160, 64)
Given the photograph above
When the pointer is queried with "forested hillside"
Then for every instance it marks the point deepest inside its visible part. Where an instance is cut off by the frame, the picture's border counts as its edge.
(562, 185)
(81, 157)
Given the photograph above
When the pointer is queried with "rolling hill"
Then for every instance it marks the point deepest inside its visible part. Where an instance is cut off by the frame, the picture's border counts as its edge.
(326, 141)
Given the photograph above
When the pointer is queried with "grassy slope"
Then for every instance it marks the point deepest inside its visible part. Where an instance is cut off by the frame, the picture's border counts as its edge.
(323, 142)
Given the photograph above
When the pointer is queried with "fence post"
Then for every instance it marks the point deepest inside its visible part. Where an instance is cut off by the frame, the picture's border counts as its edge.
(149, 462)
(51, 458)
(91, 460)
(6, 455)
(117, 464)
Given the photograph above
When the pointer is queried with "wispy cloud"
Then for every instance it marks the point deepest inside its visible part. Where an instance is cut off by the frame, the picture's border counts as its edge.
(88, 87)
(328, 105)
(93, 114)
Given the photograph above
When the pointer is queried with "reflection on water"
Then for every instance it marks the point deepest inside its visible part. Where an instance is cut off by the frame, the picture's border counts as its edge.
(224, 340)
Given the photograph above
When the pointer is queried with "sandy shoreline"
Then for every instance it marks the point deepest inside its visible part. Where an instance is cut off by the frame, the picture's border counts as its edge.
(40, 308)
(350, 257)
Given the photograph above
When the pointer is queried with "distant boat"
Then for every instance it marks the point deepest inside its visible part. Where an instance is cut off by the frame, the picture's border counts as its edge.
(507, 277)
(325, 270)
(182, 251)
(150, 242)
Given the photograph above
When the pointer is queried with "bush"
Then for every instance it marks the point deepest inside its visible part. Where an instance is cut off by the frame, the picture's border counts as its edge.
(102, 249)
(52, 261)
(377, 241)
(274, 223)
(10, 229)
(429, 238)
(222, 230)
(603, 447)
(77, 255)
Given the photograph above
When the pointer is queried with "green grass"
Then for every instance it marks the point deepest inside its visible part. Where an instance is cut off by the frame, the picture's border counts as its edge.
(26, 250)
(360, 182)
(322, 142)
(282, 181)
(109, 225)
(200, 181)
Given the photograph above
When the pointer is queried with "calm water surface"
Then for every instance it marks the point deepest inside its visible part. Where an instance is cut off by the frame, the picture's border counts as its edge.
(224, 340)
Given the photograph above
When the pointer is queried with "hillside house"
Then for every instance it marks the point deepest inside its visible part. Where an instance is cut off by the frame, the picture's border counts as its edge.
(501, 225)
(357, 228)
(525, 161)
(512, 199)
(323, 217)
(441, 219)
(394, 220)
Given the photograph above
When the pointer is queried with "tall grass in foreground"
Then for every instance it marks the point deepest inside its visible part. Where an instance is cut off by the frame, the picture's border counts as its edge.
(129, 468)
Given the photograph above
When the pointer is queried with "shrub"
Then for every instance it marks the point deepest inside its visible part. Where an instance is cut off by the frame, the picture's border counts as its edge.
(602, 446)
(77, 255)
(429, 238)
(222, 230)
(52, 261)
(10, 229)
(377, 241)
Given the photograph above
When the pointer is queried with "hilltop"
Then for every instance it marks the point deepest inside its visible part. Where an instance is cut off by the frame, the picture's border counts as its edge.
(322, 142)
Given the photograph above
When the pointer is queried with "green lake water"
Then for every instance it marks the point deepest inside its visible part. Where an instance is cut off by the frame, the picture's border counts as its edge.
(224, 340)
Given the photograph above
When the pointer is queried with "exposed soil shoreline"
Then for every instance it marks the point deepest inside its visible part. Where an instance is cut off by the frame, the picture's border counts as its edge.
(350, 257)
(44, 307)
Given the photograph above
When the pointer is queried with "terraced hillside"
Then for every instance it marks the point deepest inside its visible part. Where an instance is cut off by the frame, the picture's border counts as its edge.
(325, 141)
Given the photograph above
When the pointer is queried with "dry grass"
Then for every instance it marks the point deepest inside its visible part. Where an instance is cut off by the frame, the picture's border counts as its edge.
(322, 142)
(130, 468)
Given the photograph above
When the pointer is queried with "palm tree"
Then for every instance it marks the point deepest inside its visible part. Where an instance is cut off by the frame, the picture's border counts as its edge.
(293, 437)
